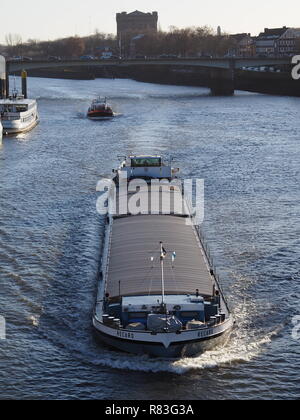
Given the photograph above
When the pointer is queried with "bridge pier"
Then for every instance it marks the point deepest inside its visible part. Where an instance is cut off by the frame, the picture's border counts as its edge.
(222, 81)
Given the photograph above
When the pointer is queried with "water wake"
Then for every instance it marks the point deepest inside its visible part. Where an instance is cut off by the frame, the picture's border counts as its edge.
(245, 344)
(238, 350)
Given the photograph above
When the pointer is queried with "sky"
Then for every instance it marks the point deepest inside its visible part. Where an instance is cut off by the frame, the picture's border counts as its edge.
(47, 20)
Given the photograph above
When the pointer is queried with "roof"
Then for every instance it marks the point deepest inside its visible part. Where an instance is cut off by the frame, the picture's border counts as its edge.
(137, 13)
(240, 37)
(274, 32)
(17, 101)
(136, 239)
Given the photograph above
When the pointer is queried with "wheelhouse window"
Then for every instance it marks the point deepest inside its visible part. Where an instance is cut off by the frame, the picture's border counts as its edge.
(135, 315)
(7, 108)
(189, 314)
(148, 162)
(21, 108)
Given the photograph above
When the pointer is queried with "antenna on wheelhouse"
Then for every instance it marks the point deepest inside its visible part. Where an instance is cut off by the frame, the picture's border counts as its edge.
(14, 91)
(163, 254)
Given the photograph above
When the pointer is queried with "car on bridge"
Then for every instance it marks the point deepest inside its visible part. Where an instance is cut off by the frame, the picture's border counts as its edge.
(168, 56)
(20, 58)
(87, 58)
(140, 57)
(54, 58)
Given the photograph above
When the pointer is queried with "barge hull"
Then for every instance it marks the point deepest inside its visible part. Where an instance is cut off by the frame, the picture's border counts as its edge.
(20, 129)
(158, 350)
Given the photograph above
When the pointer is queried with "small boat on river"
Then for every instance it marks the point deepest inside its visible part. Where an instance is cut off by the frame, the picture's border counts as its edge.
(18, 115)
(100, 110)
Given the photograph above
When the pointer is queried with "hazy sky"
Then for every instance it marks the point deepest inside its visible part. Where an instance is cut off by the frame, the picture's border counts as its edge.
(40, 19)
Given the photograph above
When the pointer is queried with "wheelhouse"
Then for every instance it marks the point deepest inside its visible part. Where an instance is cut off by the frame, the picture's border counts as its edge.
(148, 162)
(137, 312)
(16, 105)
(146, 167)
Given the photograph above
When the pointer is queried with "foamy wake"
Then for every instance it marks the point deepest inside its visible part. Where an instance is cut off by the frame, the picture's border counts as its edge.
(34, 319)
(246, 343)
(238, 350)
(22, 136)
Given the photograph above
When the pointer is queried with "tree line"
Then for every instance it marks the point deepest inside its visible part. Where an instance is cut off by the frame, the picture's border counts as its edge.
(185, 42)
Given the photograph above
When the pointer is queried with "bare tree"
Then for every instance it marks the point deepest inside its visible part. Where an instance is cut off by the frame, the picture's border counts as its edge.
(75, 46)
(186, 42)
(14, 44)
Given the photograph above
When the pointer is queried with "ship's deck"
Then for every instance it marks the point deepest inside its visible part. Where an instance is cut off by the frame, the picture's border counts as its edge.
(135, 239)
(151, 199)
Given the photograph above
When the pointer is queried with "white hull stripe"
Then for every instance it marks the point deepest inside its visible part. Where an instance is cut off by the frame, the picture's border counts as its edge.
(166, 339)
(20, 127)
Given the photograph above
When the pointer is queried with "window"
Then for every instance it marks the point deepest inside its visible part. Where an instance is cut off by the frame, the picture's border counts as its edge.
(135, 315)
(21, 108)
(189, 314)
(141, 162)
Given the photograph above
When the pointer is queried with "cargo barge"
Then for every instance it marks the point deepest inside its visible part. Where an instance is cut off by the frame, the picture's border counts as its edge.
(158, 293)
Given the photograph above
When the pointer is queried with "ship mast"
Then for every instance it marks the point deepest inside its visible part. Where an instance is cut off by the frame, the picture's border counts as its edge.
(162, 257)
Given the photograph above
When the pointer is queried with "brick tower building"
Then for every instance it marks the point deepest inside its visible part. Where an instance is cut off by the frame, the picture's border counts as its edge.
(136, 23)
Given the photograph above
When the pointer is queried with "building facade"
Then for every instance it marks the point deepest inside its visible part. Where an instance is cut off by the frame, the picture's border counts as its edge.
(279, 42)
(242, 45)
(136, 23)
(266, 43)
(289, 43)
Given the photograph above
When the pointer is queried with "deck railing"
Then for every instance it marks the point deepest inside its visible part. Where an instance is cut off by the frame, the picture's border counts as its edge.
(212, 265)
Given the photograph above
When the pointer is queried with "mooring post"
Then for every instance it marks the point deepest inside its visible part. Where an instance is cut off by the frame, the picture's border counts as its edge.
(7, 80)
(2, 88)
(24, 83)
(2, 77)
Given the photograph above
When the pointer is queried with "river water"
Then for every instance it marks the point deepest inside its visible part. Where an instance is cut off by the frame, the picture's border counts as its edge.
(246, 148)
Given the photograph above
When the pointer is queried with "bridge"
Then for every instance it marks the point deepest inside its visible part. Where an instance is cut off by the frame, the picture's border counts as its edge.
(218, 74)
(215, 63)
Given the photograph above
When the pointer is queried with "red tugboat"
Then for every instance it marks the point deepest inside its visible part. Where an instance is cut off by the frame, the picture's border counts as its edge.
(100, 110)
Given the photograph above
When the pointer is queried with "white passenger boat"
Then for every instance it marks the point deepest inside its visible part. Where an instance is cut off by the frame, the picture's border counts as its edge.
(18, 115)
(158, 293)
